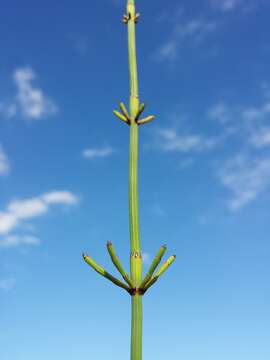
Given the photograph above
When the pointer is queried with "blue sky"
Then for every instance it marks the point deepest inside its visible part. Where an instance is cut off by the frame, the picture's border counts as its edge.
(204, 178)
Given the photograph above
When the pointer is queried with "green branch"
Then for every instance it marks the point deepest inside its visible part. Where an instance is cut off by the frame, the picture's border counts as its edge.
(161, 270)
(153, 266)
(117, 264)
(104, 273)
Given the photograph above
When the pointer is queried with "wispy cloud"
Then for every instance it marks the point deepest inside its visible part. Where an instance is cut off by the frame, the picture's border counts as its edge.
(261, 138)
(219, 112)
(7, 284)
(4, 162)
(30, 102)
(92, 153)
(247, 173)
(17, 240)
(225, 5)
(229, 6)
(193, 31)
(19, 210)
(244, 120)
(255, 113)
(246, 177)
(168, 139)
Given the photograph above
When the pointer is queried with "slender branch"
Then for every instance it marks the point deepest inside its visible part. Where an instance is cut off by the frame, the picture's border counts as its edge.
(104, 273)
(146, 119)
(153, 266)
(120, 116)
(117, 264)
(124, 110)
(140, 111)
(161, 270)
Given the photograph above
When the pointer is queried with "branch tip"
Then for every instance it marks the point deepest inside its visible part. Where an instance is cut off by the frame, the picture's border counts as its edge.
(124, 111)
(118, 264)
(121, 116)
(153, 266)
(146, 120)
(104, 273)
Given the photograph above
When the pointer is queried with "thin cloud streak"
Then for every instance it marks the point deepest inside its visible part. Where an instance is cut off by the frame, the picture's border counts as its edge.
(16, 240)
(93, 153)
(170, 140)
(193, 31)
(4, 162)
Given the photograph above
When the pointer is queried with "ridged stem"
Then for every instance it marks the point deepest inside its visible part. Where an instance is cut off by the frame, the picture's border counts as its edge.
(135, 255)
(136, 327)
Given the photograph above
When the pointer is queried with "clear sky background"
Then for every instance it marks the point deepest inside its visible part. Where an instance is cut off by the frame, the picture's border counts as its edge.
(204, 178)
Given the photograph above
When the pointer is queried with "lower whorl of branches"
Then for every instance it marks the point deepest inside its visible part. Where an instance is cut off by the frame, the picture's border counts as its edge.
(149, 279)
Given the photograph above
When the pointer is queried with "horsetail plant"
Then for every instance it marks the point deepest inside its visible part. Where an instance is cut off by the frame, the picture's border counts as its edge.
(135, 284)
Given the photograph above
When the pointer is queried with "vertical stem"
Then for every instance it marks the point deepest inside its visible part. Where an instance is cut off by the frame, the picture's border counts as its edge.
(136, 328)
(135, 258)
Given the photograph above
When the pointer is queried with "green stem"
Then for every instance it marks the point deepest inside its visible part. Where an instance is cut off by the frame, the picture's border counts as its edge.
(135, 258)
(136, 328)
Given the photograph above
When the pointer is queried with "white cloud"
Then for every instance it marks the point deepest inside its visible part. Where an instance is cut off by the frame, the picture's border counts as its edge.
(60, 197)
(193, 31)
(4, 163)
(170, 140)
(7, 284)
(7, 222)
(255, 113)
(245, 121)
(15, 240)
(19, 210)
(98, 153)
(30, 101)
(246, 177)
(25, 209)
(219, 112)
(261, 138)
